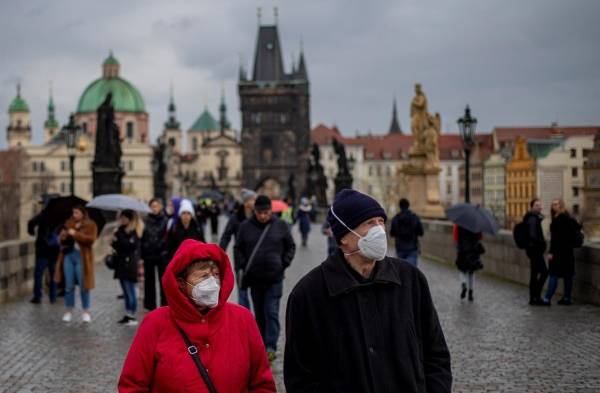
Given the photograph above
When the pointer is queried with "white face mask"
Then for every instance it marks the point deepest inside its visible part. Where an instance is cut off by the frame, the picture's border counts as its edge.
(373, 245)
(206, 292)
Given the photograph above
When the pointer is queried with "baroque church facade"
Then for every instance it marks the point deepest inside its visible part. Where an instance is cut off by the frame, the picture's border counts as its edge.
(275, 110)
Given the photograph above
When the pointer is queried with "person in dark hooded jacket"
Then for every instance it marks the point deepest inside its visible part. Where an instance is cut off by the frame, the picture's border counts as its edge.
(536, 247)
(198, 282)
(361, 321)
(154, 253)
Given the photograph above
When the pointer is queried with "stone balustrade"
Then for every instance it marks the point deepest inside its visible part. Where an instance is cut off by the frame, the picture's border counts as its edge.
(503, 259)
(17, 263)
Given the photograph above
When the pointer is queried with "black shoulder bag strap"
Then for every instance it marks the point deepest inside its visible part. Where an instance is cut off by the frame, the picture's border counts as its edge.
(193, 351)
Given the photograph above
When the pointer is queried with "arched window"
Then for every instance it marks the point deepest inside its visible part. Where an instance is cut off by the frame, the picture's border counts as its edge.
(129, 128)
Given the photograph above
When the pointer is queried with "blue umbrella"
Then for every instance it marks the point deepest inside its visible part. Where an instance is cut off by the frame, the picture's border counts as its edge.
(475, 218)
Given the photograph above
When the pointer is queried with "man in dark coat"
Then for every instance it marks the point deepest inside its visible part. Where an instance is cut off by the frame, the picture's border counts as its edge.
(406, 230)
(535, 252)
(233, 225)
(154, 253)
(46, 252)
(363, 322)
(263, 266)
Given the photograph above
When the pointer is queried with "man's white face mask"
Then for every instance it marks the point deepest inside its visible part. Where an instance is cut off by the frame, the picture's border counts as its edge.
(373, 245)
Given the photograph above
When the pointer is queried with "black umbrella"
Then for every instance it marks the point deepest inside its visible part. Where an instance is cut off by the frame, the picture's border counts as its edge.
(475, 218)
(58, 210)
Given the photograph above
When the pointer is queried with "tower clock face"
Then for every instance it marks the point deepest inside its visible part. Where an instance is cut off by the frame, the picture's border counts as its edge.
(270, 46)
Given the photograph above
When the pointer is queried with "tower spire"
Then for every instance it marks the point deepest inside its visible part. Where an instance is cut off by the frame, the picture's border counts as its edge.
(302, 73)
(259, 15)
(395, 125)
(172, 122)
(276, 15)
(223, 122)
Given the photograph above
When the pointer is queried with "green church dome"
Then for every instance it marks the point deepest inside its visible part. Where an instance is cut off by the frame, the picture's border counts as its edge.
(18, 104)
(206, 122)
(125, 97)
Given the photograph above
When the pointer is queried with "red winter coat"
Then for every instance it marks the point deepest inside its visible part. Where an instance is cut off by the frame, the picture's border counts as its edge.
(227, 338)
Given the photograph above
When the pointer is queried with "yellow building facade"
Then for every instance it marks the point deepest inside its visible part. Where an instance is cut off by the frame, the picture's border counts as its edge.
(520, 182)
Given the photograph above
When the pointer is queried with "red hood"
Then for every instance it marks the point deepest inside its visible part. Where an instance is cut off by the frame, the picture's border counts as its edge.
(181, 306)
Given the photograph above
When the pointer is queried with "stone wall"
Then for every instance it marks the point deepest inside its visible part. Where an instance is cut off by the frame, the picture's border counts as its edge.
(505, 260)
(17, 263)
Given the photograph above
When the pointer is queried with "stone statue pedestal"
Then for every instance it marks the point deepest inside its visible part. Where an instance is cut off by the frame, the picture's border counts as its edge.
(423, 192)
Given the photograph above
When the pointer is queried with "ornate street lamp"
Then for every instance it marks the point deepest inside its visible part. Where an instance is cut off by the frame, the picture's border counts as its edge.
(467, 125)
(71, 132)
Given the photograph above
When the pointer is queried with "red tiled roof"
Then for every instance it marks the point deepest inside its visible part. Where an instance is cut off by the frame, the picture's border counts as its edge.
(393, 146)
(509, 134)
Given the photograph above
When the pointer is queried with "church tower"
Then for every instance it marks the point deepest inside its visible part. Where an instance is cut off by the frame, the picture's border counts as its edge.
(50, 125)
(395, 125)
(18, 132)
(172, 132)
(275, 108)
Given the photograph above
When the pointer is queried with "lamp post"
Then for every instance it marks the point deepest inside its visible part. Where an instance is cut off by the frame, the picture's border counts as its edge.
(71, 133)
(467, 125)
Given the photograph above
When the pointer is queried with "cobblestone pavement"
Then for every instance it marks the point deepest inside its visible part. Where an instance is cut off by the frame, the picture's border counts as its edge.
(498, 343)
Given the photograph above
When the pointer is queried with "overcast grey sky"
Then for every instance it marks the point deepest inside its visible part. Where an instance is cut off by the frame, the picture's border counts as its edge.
(516, 62)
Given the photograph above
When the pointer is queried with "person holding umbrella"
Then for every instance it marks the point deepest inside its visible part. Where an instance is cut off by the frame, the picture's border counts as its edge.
(75, 263)
(471, 221)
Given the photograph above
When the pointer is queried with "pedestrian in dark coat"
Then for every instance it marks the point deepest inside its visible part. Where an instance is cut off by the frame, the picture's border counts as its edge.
(244, 212)
(406, 229)
(47, 248)
(154, 253)
(303, 218)
(126, 244)
(264, 273)
(185, 227)
(536, 246)
(561, 258)
(468, 257)
(363, 322)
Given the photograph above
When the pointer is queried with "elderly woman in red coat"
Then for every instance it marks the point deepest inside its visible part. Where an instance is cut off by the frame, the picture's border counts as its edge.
(197, 283)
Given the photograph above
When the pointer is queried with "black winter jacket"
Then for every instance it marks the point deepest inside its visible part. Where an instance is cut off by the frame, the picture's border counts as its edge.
(536, 243)
(562, 234)
(46, 241)
(345, 334)
(274, 255)
(154, 239)
(406, 229)
(127, 254)
(469, 250)
(232, 227)
(177, 234)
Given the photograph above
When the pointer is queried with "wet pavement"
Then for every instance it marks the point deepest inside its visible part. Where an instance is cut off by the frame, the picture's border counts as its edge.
(498, 343)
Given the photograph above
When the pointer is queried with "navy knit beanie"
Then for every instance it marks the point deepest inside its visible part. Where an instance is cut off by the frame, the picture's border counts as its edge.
(352, 207)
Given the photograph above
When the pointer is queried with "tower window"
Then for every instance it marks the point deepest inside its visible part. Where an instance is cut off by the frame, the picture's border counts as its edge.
(194, 143)
(172, 142)
(574, 172)
(84, 127)
(129, 130)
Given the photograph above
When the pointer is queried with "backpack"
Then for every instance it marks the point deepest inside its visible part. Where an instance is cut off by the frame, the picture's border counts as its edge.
(521, 235)
(405, 228)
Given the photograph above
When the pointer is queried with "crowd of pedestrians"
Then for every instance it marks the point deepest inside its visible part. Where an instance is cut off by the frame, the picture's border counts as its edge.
(353, 313)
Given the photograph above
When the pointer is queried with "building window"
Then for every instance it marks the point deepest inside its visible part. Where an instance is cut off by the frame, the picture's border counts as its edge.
(194, 143)
(34, 166)
(129, 130)
(63, 166)
(576, 209)
(370, 170)
(575, 191)
(63, 187)
(574, 172)
(448, 171)
(84, 127)
(42, 166)
(130, 165)
(172, 142)
(448, 188)
(573, 153)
